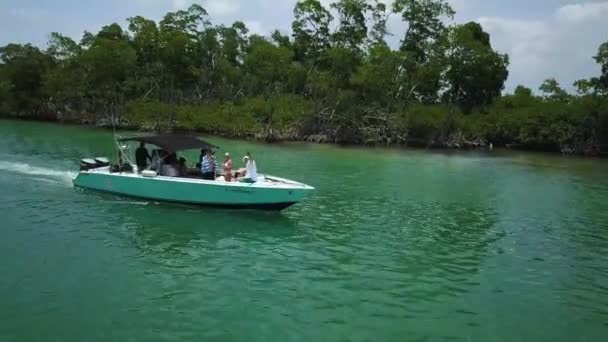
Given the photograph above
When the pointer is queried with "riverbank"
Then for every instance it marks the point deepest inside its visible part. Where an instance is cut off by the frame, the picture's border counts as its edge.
(269, 136)
(455, 141)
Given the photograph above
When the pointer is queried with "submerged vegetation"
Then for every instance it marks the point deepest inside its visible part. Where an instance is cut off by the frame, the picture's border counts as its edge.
(335, 79)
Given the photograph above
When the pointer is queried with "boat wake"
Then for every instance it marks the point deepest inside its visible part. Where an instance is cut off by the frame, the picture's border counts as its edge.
(26, 169)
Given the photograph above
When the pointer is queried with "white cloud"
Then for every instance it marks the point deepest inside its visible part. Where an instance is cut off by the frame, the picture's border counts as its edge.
(214, 7)
(559, 46)
(528, 43)
(181, 4)
(457, 5)
(255, 27)
(222, 7)
(31, 13)
(583, 12)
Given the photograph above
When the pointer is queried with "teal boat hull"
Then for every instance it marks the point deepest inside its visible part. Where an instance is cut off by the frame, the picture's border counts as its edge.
(274, 194)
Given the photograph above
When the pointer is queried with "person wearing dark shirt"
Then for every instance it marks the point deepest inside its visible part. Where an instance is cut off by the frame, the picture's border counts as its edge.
(208, 166)
(141, 157)
(200, 158)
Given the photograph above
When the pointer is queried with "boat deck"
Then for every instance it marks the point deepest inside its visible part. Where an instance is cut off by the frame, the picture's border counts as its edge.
(265, 181)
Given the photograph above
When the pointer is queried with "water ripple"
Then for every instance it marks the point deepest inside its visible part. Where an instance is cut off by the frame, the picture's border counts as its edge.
(394, 245)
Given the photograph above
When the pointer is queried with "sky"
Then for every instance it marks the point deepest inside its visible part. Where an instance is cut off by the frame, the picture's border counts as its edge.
(543, 38)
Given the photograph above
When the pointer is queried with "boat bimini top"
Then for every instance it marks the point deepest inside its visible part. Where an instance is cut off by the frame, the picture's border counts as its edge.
(172, 142)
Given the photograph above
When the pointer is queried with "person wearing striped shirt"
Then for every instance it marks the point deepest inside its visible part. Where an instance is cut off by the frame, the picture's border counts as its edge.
(208, 166)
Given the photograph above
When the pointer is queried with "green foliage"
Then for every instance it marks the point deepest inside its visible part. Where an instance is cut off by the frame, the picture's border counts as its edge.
(523, 92)
(234, 42)
(268, 67)
(24, 71)
(187, 22)
(379, 17)
(428, 123)
(225, 118)
(61, 47)
(149, 115)
(477, 73)
(377, 80)
(553, 91)
(243, 118)
(5, 96)
(425, 23)
(352, 29)
(334, 79)
(311, 30)
(602, 59)
(109, 64)
(538, 123)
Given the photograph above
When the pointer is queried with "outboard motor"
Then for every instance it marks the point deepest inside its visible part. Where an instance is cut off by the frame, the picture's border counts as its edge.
(90, 164)
(102, 162)
(87, 164)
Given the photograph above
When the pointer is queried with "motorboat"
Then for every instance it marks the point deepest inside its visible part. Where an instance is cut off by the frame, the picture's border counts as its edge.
(266, 193)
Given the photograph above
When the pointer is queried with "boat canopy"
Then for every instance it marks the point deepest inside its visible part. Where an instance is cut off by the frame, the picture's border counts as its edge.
(173, 142)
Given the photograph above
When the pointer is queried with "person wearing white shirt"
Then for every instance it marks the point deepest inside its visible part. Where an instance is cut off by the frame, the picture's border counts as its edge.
(251, 170)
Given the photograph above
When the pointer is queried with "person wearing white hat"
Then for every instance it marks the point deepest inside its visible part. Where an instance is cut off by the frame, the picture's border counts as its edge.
(251, 170)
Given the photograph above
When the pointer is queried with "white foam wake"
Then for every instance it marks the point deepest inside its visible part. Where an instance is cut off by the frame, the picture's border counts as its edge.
(26, 169)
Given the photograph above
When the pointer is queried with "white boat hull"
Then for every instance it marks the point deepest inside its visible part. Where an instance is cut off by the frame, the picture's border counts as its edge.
(271, 193)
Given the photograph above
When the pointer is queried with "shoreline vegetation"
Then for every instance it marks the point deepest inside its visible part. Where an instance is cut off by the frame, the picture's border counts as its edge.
(335, 79)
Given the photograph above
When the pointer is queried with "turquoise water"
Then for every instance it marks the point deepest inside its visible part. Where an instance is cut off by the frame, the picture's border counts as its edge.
(395, 245)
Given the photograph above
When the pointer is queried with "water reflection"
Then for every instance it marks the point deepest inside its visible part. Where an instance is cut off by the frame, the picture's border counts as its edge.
(165, 228)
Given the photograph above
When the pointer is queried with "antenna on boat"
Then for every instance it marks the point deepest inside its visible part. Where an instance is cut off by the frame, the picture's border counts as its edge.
(119, 149)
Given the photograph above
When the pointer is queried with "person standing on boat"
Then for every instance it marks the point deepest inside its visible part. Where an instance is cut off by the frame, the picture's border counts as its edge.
(155, 165)
(227, 167)
(251, 170)
(208, 166)
(200, 158)
(141, 157)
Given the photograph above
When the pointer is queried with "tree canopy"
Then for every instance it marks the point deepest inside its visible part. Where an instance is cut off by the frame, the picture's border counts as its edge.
(335, 79)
